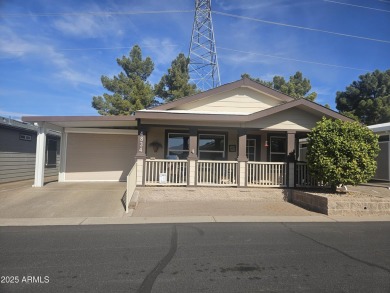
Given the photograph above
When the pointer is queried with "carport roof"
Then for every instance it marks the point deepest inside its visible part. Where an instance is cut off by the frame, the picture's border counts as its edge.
(84, 121)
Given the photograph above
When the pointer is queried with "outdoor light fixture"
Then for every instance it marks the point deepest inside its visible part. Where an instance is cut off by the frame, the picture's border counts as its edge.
(266, 144)
(155, 145)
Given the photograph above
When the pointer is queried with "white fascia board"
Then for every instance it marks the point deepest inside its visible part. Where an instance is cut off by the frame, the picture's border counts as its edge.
(383, 127)
(102, 131)
(194, 112)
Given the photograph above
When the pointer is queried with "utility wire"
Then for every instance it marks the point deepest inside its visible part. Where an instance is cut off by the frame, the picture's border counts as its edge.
(105, 13)
(219, 48)
(301, 27)
(292, 59)
(359, 6)
(186, 11)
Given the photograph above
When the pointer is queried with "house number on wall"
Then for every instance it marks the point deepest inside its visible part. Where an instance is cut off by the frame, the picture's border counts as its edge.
(141, 142)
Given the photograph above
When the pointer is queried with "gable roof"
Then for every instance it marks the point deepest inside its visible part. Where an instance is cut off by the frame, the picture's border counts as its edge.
(244, 82)
(188, 115)
(299, 103)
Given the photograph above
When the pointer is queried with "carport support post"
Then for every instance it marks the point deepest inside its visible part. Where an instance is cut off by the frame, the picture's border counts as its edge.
(63, 150)
(40, 156)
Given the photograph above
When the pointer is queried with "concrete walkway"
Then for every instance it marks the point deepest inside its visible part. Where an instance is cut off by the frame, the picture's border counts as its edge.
(100, 203)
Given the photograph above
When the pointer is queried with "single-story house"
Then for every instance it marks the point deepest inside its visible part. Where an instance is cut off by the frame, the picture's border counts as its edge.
(18, 148)
(383, 159)
(239, 134)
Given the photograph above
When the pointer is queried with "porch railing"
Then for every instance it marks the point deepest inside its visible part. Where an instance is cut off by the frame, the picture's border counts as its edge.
(272, 174)
(165, 172)
(303, 177)
(217, 173)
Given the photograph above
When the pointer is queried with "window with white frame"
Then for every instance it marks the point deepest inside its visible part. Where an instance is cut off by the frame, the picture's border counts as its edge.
(211, 147)
(178, 145)
(24, 136)
(278, 149)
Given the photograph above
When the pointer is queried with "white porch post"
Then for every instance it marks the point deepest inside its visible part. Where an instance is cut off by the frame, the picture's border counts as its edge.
(140, 157)
(40, 156)
(63, 150)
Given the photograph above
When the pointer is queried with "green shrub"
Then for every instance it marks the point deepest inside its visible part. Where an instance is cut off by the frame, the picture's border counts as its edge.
(341, 152)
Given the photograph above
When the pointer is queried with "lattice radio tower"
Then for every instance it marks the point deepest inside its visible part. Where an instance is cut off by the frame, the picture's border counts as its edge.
(203, 67)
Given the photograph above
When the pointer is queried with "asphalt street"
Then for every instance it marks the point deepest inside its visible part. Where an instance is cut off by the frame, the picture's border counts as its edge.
(207, 257)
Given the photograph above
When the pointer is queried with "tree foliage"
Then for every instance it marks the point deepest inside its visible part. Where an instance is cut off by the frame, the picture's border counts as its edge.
(130, 89)
(367, 99)
(297, 86)
(342, 152)
(175, 84)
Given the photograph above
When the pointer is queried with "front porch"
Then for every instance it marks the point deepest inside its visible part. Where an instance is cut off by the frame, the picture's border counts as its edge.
(197, 156)
(191, 173)
(200, 173)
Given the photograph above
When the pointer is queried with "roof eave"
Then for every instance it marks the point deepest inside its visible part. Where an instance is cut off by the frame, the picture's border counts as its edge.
(191, 117)
(76, 118)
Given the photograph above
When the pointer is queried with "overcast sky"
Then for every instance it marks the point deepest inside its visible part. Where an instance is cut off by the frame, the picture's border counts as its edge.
(53, 53)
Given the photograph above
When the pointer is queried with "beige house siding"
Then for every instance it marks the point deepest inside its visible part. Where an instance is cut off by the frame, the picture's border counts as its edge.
(291, 119)
(232, 140)
(241, 100)
(99, 157)
(155, 134)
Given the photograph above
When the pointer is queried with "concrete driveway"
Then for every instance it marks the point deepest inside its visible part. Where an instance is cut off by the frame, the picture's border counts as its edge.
(62, 200)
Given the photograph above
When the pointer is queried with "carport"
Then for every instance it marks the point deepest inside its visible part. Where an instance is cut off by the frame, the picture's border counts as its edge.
(93, 148)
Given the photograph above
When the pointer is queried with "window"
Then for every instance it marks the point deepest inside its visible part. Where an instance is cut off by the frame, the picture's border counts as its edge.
(211, 147)
(278, 149)
(26, 137)
(251, 149)
(178, 145)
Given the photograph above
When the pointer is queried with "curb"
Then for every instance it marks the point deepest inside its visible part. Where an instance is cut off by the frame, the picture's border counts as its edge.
(193, 219)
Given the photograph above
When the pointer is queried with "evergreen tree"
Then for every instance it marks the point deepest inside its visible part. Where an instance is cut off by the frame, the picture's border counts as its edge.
(297, 86)
(367, 99)
(175, 84)
(130, 89)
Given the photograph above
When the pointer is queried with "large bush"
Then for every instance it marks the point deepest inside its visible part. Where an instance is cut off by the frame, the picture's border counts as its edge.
(342, 152)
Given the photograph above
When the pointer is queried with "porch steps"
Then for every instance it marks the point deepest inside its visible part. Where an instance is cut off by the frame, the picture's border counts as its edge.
(163, 194)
